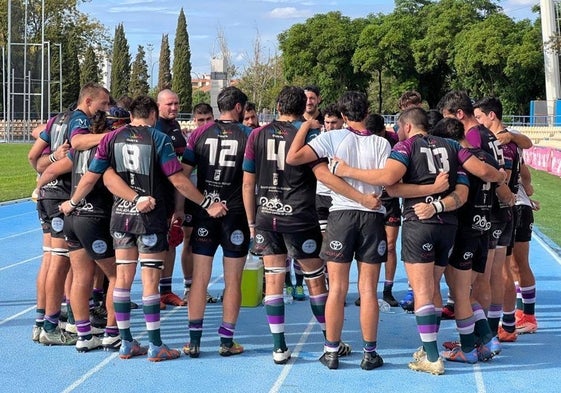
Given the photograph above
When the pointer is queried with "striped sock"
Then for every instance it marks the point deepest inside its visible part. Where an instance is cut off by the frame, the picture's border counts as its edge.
(331, 346)
(369, 346)
(50, 323)
(39, 317)
(274, 307)
(509, 321)
(317, 303)
(528, 299)
(426, 325)
(226, 333)
(195, 331)
(482, 328)
(466, 327)
(122, 303)
(494, 316)
(69, 314)
(84, 329)
(151, 308)
(519, 304)
(165, 284)
(112, 331)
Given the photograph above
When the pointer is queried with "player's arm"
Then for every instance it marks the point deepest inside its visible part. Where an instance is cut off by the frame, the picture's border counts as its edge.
(521, 140)
(85, 186)
(300, 153)
(484, 171)
(189, 191)
(118, 187)
(248, 194)
(52, 172)
(85, 141)
(450, 202)
(338, 185)
(390, 174)
(526, 179)
(405, 190)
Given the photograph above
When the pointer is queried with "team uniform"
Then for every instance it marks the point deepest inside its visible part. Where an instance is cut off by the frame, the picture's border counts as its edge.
(217, 150)
(393, 209)
(286, 219)
(424, 156)
(353, 231)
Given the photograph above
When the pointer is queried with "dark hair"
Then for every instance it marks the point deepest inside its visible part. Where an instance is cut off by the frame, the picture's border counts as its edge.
(142, 107)
(292, 101)
(250, 106)
(229, 97)
(375, 123)
(202, 109)
(454, 100)
(124, 102)
(409, 98)
(490, 104)
(99, 122)
(449, 127)
(354, 105)
(332, 110)
(433, 117)
(416, 116)
(313, 88)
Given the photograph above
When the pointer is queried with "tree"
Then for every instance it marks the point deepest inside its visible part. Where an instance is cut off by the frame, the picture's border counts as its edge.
(319, 51)
(90, 71)
(164, 73)
(139, 75)
(181, 78)
(200, 96)
(71, 82)
(121, 63)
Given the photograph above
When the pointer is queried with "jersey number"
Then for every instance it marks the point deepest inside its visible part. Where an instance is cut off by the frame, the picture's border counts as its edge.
(228, 148)
(497, 152)
(279, 155)
(437, 158)
(131, 154)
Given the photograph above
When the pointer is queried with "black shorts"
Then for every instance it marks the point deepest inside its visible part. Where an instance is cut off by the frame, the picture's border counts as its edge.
(524, 216)
(231, 232)
(393, 212)
(299, 245)
(146, 244)
(190, 209)
(470, 252)
(51, 217)
(323, 203)
(501, 234)
(91, 234)
(427, 242)
(355, 234)
(43, 218)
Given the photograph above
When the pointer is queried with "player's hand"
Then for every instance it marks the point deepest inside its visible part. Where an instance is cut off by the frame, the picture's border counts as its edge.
(424, 210)
(535, 204)
(504, 137)
(217, 209)
(441, 183)
(145, 204)
(338, 167)
(62, 150)
(66, 208)
(371, 201)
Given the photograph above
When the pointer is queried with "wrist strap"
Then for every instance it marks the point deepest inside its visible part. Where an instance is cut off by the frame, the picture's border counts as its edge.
(206, 202)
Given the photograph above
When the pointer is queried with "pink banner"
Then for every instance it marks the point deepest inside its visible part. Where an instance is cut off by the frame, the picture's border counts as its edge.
(544, 158)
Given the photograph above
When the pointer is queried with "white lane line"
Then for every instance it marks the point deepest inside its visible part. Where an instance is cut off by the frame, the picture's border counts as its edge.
(20, 263)
(20, 234)
(19, 314)
(18, 215)
(478, 375)
(286, 369)
(106, 361)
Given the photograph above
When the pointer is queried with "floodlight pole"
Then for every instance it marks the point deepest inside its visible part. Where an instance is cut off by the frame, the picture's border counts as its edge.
(551, 58)
(43, 61)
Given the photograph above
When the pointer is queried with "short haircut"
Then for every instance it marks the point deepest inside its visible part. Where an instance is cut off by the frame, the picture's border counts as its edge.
(99, 122)
(250, 106)
(166, 92)
(91, 90)
(313, 88)
(454, 100)
(433, 117)
(375, 123)
(490, 104)
(229, 97)
(354, 105)
(124, 102)
(332, 110)
(408, 99)
(202, 109)
(142, 107)
(449, 127)
(292, 101)
(416, 116)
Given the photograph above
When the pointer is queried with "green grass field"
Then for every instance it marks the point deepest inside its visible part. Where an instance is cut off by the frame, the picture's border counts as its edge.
(17, 180)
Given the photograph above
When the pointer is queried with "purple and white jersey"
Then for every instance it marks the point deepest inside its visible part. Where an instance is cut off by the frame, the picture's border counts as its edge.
(359, 149)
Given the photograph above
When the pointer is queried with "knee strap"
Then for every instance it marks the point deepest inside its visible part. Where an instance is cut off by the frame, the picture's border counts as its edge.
(152, 264)
(61, 252)
(275, 270)
(314, 273)
(47, 249)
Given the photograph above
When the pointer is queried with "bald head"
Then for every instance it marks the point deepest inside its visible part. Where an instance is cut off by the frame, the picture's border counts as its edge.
(168, 104)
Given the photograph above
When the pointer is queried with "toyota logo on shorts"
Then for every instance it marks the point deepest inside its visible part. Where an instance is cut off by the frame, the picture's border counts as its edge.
(427, 247)
(202, 232)
(259, 239)
(468, 255)
(497, 233)
(336, 245)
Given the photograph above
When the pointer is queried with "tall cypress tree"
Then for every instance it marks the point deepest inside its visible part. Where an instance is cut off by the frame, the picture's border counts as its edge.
(181, 78)
(71, 79)
(90, 71)
(121, 63)
(139, 74)
(164, 72)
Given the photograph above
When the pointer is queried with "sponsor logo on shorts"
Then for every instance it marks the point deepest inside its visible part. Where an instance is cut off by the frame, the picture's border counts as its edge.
(531, 226)
(202, 232)
(57, 224)
(99, 246)
(149, 240)
(118, 235)
(468, 255)
(309, 246)
(382, 248)
(428, 246)
(237, 237)
(335, 245)
(259, 239)
(497, 233)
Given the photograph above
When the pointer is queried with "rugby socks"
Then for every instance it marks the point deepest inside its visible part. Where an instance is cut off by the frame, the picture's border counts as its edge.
(84, 329)
(112, 331)
(97, 296)
(151, 308)
(427, 328)
(122, 302)
(482, 328)
(50, 322)
(331, 346)
(165, 284)
(528, 299)
(466, 327)
(274, 308)
(388, 286)
(298, 274)
(287, 276)
(226, 333)
(509, 321)
(187, 283)
(494, 316)
(317, 303)
(195, 331)
(519, 303)
(369, 346)
(69, 314)
(39, 317)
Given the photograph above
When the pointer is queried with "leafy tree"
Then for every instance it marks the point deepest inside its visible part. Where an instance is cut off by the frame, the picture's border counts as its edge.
(121, 63)
(90, 71)
(164, 73)
(319, 52)
(181, 78)
(139, 75)
(200, 96)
